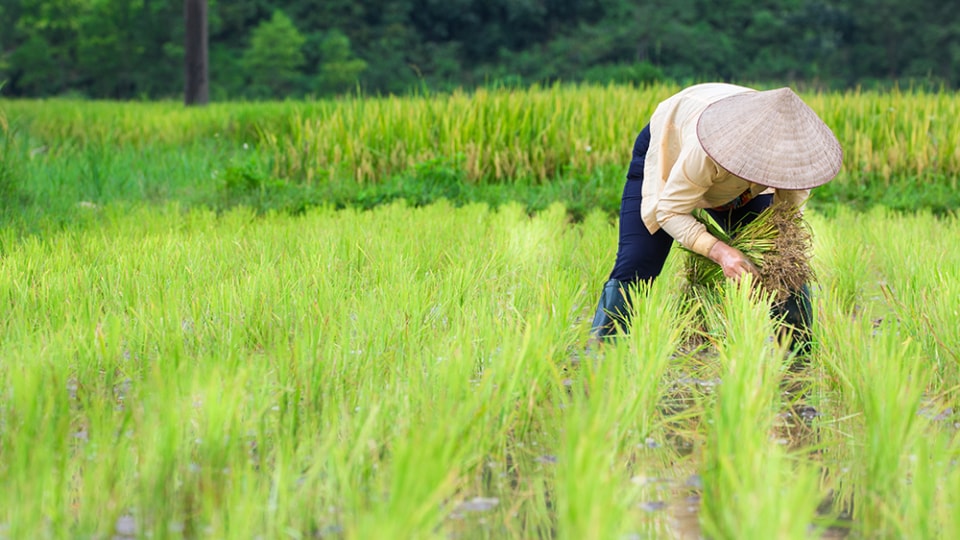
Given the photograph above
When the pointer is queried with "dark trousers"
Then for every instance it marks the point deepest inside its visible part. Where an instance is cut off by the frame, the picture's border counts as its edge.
(641, 255)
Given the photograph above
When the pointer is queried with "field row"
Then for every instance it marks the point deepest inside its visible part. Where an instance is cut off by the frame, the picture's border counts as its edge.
(420, 372)
(534, 134)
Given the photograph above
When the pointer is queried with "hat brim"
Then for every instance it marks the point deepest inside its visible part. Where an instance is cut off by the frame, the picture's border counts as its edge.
(770, 138)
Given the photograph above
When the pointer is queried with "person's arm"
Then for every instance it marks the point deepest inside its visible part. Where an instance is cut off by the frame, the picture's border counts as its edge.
(689, 180)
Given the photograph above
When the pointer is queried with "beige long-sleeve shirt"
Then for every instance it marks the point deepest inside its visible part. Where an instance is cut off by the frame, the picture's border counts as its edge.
(679, 176)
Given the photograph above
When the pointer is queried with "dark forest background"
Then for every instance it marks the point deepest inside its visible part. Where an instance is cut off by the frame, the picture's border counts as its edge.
(134, 49)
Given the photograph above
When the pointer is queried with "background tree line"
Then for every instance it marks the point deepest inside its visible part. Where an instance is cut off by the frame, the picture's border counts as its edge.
(128, 49)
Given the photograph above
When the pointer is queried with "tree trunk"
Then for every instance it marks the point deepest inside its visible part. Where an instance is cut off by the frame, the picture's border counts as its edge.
(195, 52)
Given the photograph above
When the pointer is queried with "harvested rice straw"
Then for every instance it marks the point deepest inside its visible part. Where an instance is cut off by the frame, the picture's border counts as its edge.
(778, 242)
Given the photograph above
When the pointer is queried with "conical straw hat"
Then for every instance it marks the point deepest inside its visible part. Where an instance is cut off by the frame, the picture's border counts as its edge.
(770, 138)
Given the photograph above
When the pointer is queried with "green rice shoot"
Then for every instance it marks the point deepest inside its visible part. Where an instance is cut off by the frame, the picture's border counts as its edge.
(777, 242)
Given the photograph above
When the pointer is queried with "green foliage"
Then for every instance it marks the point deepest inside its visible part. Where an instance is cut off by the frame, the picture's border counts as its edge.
(246, 181)
(34, 68)
(743, 464)
(641, 73)
(565, 143)
(107, 49)
(273, 60)
(11, 171)
(934, 192)
(129, 49)
(421, 372)
(340, 69)
(133, 49)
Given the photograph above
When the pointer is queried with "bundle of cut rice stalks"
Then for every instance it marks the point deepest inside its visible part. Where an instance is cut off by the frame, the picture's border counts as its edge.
(778, 242)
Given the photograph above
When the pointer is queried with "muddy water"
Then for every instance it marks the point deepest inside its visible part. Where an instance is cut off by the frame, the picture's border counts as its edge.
(514, 498)
(795, 427)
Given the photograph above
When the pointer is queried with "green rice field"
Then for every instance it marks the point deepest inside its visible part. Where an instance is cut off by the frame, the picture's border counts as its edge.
(172, 368)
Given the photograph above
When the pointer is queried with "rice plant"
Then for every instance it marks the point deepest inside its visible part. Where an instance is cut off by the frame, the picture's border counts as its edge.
(898, 144)
(171, 370)
(174, 372)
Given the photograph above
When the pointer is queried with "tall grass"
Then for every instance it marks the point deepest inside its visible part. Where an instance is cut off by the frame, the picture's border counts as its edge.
(886, 384)
(894, 142)
(894, 396)
(171, 370)
(423, 373)
(617, 401)
(751, 487)
(894, 133)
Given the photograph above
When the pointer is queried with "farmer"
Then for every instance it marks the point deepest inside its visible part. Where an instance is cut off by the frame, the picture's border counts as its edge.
(728, 149)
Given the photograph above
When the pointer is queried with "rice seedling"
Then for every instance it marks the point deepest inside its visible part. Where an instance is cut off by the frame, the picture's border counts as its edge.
(843, 258)
(886, 384)
(777, 241)
(180, 372)
(617, 400)
(170, 370)
(779, 244)
(752, 489)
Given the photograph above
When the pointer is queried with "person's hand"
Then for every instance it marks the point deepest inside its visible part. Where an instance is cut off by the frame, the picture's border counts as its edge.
(732, 260)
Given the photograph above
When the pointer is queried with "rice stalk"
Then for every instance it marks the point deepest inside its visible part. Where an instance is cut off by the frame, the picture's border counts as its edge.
(777, 242)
